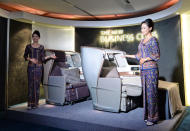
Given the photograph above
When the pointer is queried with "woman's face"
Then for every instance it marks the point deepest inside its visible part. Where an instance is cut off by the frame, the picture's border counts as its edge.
(145, 29)
(35, 38)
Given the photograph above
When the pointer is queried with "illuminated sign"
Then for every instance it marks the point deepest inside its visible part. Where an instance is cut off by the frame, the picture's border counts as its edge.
(112, 36)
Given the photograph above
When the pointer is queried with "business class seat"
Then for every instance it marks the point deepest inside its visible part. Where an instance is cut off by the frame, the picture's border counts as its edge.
(108, 90)
(58, 76)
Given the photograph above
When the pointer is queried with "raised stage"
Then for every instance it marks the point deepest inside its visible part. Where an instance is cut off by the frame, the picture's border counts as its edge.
(82, 117)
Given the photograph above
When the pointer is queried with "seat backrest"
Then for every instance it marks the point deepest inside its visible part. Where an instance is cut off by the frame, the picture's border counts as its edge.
(61, 56)
(109, 69)
(72, 75)
(69, 60)
(56, 71)
(109, 72)
(76, 60)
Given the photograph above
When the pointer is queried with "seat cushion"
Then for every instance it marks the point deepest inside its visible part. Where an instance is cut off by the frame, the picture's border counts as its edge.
(132, 90)
(56, 71)
(79, 84)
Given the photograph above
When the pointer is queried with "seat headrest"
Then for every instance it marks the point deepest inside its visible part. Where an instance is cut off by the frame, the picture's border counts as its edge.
(61, 56)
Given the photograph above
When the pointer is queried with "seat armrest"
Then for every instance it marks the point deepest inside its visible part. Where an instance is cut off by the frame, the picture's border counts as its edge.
(108, 94)
(113, 84)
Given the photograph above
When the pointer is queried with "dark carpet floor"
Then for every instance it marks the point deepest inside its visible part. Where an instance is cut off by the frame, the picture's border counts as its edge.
(11, 125)
(185, 121)
(84, 113)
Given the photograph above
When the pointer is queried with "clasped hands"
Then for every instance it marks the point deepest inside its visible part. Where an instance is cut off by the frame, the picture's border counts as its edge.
(142, 60)
(33, 60)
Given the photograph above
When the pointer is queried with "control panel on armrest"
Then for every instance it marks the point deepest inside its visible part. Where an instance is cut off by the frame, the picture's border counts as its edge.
(125, 74)
(135, 68)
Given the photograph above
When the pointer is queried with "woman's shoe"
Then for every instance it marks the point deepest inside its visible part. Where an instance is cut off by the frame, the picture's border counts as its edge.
(29, 108)
(34, 107)
(148, 123)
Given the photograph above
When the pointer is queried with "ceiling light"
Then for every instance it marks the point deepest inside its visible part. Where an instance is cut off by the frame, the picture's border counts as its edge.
(127, 1)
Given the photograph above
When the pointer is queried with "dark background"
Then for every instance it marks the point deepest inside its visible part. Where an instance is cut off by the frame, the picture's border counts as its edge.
(3, 56)
(169, 32)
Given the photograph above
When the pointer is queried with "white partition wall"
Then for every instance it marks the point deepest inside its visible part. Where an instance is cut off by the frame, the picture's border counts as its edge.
(185, 20)
(59, 38)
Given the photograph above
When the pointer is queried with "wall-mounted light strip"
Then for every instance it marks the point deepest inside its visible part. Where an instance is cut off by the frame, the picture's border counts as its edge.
(185, 27)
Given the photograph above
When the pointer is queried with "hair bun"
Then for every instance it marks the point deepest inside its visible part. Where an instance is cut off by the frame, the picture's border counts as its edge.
(36, 32)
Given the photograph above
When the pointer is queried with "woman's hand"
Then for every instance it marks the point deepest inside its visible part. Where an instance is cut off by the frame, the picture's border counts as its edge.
(142, 60)
(123, 56)
(33, 60)
(128, 56)
(53, 56)
(50, 57)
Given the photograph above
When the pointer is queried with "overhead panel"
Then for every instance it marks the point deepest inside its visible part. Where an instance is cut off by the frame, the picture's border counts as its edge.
(141, 5)
(53, 6)
(103, 7)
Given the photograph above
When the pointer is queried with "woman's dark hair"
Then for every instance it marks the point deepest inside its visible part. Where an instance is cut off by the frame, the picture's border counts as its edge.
(36, 32)
(149, 23)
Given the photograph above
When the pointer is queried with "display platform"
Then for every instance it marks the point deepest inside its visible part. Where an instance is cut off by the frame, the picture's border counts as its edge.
(82, 116)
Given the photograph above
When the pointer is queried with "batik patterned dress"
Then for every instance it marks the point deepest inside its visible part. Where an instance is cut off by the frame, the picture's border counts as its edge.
(149, 78)
(34, 73)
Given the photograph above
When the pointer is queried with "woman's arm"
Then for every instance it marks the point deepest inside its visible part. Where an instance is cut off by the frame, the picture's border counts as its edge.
(50, 56)
(130, 56)
(154, 50)
(44, 58)
(26, 52)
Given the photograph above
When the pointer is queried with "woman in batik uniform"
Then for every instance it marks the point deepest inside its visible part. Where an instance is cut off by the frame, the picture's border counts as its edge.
(148, 54)
(35, 54)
